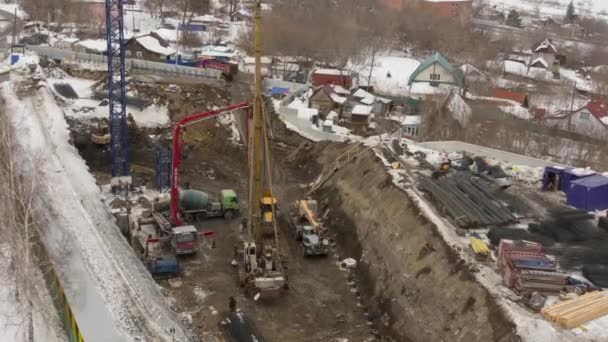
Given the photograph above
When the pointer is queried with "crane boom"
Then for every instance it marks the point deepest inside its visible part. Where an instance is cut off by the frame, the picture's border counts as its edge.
(255, 166)
(176, 156)
(310, 213)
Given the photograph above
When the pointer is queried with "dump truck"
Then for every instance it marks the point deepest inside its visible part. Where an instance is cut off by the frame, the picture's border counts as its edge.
(307, 229)
(155, 227)
(196, 205)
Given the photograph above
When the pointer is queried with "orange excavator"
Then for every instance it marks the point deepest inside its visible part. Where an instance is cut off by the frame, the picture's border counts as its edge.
(308, 231)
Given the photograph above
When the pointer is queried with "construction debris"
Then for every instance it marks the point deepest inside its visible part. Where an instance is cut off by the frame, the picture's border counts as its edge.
(467, 200)
(575, 312)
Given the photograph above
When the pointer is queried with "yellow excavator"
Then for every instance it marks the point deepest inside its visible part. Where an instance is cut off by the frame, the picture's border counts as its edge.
(308, 231)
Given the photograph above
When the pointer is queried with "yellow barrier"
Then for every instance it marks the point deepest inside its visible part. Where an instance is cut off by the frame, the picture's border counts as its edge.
(61, 302)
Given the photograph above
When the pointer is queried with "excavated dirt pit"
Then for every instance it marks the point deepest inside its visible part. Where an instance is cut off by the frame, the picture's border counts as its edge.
(408, 284)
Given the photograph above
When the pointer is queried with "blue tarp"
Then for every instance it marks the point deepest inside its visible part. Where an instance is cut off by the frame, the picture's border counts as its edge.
(589, 193)
(279, 90)
(191, 27)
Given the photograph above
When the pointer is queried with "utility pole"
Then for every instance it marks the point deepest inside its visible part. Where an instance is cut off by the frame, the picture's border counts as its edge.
(571, 107)
(14, 38)
(369, 78)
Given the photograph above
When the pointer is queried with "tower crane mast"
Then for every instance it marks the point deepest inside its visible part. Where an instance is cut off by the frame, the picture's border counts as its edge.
(119, 149)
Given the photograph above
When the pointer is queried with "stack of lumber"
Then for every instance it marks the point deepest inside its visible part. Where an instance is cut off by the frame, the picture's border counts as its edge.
(525, 267)
(575, 312)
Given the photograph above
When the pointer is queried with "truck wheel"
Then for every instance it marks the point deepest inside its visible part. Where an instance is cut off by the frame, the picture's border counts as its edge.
(189, 218)
(200, 217)
(228, 215)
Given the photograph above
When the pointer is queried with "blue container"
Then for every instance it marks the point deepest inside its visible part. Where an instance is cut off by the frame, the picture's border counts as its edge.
(571, 175)
(14, 59)
(589, 193)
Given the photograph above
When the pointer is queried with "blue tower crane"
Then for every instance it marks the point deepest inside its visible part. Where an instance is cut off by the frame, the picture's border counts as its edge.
(116, 92)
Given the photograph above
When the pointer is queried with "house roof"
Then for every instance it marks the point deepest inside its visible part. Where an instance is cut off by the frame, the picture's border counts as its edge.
(597, 108)
(251, 60)
(329, 91)
(99, 45)
(544, 46)
(152, 44)
(331, 72)
(436, 58)
(411, 120)
(361, 110)
(340, 90)
(471, 71)
(520, 98)
(369, 98)
(541, 61)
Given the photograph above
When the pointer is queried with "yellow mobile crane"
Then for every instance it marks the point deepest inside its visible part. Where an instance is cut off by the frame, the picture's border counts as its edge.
(307, 229)
(260, 266)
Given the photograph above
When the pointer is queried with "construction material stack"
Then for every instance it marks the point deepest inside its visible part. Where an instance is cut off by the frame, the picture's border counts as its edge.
(525, 267)
(578, 311)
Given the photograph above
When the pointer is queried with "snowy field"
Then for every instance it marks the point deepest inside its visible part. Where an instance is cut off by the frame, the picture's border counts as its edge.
(390, 76)
(553, 7)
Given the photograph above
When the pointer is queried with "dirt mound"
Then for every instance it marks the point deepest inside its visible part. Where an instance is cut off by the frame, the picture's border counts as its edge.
(413, 283)
(65, 90)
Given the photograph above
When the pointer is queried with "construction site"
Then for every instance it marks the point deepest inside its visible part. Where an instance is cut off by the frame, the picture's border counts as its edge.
(195, 211)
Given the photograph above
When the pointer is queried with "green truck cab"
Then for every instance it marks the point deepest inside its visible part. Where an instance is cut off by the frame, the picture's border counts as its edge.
(197, 205)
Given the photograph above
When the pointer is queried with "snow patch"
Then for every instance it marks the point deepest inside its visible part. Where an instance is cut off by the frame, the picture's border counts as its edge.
(517, 111)
(228, 120)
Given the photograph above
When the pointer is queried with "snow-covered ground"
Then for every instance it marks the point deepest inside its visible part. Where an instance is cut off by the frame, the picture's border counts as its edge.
(555, 8)
(517, 111)
(390, 75)
(111, 293)
(47, 326)
(86, 108)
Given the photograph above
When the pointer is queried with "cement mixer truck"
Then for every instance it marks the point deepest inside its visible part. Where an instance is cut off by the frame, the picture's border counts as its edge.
(197, 205)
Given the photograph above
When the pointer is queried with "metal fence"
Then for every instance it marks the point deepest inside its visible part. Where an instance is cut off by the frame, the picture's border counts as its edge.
(131, 64)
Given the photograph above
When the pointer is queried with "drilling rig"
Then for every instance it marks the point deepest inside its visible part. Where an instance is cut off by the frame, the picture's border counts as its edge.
(261, 268)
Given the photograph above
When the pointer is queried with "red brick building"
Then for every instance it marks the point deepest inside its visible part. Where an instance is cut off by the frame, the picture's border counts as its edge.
(322, 77)
(462, 10)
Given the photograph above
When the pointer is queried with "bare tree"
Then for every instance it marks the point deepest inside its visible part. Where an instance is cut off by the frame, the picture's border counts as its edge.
(190, 8)
(155, 7)
(232, 7)
(18, 229)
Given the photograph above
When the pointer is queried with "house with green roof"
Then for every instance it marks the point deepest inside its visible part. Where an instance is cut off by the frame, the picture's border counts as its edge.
(436, 70)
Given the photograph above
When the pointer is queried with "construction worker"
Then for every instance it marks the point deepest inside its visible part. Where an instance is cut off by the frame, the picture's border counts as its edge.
(232, 304)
